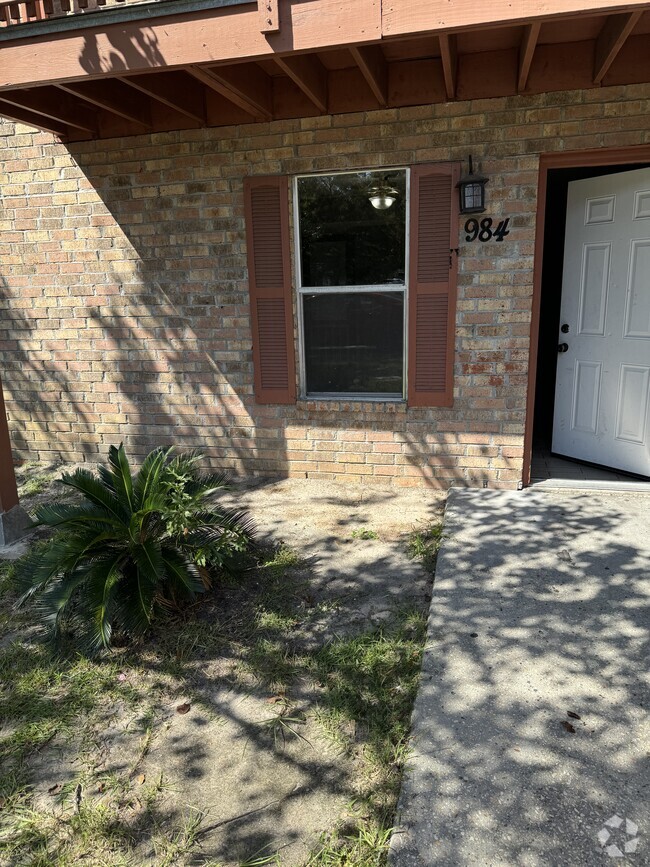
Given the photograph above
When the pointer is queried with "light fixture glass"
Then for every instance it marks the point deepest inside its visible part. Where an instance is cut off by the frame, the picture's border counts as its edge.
(382, 195)
(471, 190)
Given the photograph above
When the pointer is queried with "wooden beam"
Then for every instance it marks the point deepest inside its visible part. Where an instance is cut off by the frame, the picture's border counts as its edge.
(309, 74)
(219, 35)
(53, 105)
(246, 86)
(269, 15)
(610, 40)
(449, 57)
(112, 96)
(372, 63)
(21, 115)
(174, 90)
(412, 17)
(526, 53)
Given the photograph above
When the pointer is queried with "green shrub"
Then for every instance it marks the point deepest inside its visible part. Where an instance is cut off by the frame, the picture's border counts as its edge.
(135, 546)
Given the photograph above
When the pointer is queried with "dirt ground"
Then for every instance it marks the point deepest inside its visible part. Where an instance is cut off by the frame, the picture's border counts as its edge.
(227, 742)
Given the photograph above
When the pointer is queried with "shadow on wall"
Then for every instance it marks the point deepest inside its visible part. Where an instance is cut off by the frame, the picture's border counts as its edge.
(133, 370)
(540, 608)
(154, 343)
(40, 388)
(127, 51)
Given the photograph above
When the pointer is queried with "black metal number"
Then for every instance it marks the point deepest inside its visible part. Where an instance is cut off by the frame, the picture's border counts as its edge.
(484, 232)
(471, 227)
(502, 229)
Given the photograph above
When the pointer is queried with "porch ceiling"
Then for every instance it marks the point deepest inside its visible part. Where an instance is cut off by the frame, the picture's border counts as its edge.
(234, 62)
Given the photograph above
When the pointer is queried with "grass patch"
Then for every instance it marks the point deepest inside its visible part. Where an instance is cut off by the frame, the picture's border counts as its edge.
(45, 695)
(279, 559)
(256, 630)
(424, 543)
(34, 480)
(364, 533)
(371, 681)
(116, 828)
(360, 846)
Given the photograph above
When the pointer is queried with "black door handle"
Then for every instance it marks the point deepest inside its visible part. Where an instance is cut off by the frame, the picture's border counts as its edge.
(563, 347)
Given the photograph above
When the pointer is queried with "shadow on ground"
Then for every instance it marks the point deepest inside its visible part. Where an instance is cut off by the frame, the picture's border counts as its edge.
(252, 753)
(531, 727)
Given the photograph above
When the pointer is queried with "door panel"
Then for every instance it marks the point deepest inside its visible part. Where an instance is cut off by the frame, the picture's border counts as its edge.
(593, 289)
(602, 395)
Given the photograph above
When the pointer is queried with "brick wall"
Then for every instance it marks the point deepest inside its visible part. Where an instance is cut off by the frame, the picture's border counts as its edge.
(123, 289)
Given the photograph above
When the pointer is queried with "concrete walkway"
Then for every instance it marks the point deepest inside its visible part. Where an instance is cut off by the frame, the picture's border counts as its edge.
(531, 728)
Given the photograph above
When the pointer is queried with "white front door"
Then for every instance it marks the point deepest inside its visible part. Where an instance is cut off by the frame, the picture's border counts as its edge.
(602, 392)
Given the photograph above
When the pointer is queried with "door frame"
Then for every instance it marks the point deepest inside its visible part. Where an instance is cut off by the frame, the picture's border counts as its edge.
(548, 162)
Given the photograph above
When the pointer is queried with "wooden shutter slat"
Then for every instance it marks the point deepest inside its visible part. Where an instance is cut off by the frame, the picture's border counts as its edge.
(269, 275)
(432, 284)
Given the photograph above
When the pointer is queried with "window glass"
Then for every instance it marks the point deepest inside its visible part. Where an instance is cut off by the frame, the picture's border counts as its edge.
(344, 240)
(351, 237)
(354, 342)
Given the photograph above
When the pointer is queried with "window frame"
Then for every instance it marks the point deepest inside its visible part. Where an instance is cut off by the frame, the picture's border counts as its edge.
(301, 291)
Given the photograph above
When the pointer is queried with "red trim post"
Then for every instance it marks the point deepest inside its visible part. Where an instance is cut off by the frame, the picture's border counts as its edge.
(8, 489)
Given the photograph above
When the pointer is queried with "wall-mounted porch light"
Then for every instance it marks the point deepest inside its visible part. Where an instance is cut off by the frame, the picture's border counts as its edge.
(382, 195)
(471, 189)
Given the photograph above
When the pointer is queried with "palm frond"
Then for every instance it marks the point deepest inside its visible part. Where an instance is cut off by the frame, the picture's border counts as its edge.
(57, 514)
(146, 524)
(147, 556)
(228, 519)
(182, 574)
(135, 606)
(148, 477)
(86, 483)
(97, 603)
(121, 473)
(106, 477)
(208, 485)
(55, 603)
(41, 566)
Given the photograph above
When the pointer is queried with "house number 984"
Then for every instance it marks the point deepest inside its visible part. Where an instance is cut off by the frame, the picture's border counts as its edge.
(484, 231)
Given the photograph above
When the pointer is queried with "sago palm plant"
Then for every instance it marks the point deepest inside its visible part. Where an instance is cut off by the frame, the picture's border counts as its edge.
(135, 546)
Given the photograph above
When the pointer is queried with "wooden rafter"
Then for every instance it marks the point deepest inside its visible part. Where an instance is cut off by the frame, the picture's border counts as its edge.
(112, 96)
(172, 90)
(309, 74)
(245, 85)
(610, 40)
(59, 108)
(449, 57)
(21, 115)
(372, 63)
(526, 53)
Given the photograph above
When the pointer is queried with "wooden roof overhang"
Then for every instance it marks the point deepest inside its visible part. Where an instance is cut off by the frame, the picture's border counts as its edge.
(85, 69)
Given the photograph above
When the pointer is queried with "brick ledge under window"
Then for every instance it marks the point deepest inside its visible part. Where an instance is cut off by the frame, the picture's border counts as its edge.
(390, 407)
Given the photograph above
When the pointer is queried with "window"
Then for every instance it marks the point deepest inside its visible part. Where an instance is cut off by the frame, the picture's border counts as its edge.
(354, 247)
(352, 266)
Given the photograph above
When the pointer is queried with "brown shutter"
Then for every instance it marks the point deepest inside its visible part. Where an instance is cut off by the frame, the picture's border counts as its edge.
(432, 284)
(269, 279)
